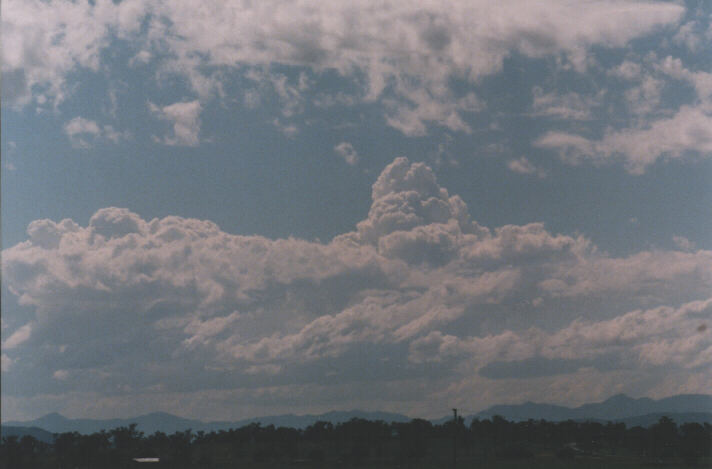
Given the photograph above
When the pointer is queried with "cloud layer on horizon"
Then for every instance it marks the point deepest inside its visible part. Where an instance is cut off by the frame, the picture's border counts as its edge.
(418, 296)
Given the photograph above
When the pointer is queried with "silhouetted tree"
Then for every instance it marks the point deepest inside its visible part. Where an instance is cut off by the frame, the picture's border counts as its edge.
(66, 447)
(359, 442)
(413, 438)
(181, 450)
(11, 452)
(695, 442)
(663, 438)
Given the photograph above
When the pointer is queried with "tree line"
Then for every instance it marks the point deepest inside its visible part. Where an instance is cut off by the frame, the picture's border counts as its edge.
(359, 442)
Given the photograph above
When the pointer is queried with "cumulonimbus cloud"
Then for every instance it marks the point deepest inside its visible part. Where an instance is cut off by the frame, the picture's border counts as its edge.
(417, 281)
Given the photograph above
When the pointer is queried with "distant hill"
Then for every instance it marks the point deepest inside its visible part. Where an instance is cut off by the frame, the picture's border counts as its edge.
(167, 423)
(303, 421)
(19, 432)
(619, 408)
(149, 423)
(697, 407)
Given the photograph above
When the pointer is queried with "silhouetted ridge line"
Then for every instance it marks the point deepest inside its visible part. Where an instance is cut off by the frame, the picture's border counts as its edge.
(618, 408)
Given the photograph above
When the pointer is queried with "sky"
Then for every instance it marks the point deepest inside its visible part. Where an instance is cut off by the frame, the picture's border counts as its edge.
(225, 210)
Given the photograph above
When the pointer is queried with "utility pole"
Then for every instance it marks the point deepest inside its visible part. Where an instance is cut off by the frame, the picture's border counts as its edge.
(454, 439)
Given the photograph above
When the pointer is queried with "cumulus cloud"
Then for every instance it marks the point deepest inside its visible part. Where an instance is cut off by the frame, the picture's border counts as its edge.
(420, 107)
(288, 129)
(563, 106)
(683, 243)
(524, 166)
(688, 131)
(179, 305)
(43, 42)
(6, 363)
(701, 81)
(289, 94)
(660, 130)
(60, 375)
(347, 151)
(408, 54)
(691, 34)
(83, 132)
(141, 57)
(18, 337)
(662, 336)
(392, 40)
(645, 98)
(627, 70)
(185, 117)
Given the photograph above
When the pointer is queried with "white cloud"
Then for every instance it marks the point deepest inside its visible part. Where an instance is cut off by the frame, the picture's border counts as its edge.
(419, 106)
(61, 375)
(203, 332)
(701, 81)
(83, 133)
(571, 148)
(325, 100)
(79, 129)
(524, 166)
(289, 94)
(252, 98)
(417, 281)
(563, 106)
(409, 54)
(661, 336)
(430, 41)
(689, 130)
(645, 98)
(43, 42)
(657, 336)
(18, 337)
(6, 363)
(141, 57)
(288, 129)
(659, 131)
(185, 117)
(691, 34)
(346, 151)
(649, 274)
(627, 70)
(683, 243)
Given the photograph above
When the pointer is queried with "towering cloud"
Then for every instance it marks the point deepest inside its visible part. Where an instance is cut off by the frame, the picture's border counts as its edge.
(177, 306)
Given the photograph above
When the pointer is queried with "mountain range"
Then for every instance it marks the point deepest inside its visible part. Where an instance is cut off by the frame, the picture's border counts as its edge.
(620, 408)
(616, 408)
(168, 423)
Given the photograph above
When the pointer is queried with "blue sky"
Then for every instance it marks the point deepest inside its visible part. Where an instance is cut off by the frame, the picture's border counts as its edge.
(235, 210)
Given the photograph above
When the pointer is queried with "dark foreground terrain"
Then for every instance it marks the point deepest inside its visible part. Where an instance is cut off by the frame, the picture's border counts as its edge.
(490, 443)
